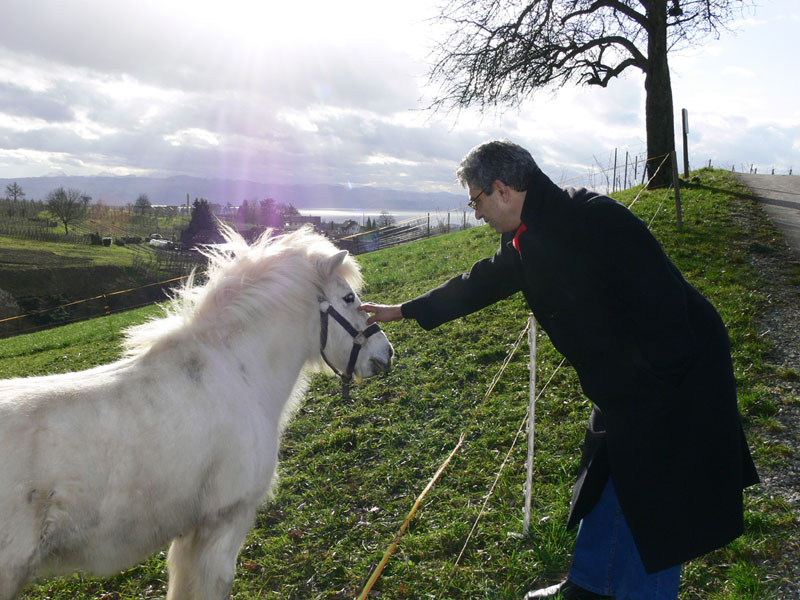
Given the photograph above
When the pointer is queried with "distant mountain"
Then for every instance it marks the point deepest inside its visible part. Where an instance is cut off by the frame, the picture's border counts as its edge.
(174, 191)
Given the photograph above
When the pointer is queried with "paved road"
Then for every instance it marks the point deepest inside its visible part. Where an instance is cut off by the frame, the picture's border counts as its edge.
(779, 195)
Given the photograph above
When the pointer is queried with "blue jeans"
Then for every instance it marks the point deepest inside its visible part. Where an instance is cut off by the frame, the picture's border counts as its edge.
(607, 562)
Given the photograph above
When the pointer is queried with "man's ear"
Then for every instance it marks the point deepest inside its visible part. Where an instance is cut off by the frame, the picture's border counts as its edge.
(501, 187)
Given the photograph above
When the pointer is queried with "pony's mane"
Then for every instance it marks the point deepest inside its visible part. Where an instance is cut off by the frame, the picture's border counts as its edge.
(279, 275)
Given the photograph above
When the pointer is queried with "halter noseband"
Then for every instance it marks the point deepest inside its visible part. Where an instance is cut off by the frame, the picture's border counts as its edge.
(359, 339)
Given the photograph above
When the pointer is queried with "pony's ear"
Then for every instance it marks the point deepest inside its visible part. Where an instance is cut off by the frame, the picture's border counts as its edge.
(335, 261)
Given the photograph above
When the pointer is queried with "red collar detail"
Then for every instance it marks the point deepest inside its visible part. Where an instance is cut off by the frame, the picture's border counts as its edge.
(522, 228)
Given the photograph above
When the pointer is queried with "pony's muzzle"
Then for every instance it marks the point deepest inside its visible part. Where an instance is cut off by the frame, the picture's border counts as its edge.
(382, 365)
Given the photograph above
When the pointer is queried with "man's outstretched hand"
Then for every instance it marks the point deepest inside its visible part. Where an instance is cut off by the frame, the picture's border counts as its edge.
(382, 313)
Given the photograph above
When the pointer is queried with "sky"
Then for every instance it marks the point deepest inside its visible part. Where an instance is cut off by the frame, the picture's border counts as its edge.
(336, 92)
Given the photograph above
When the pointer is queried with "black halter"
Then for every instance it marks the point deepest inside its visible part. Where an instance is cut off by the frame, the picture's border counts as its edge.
(359, 339)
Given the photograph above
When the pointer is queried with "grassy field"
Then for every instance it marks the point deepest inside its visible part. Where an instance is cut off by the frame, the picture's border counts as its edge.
(18, 253)
(350, 470)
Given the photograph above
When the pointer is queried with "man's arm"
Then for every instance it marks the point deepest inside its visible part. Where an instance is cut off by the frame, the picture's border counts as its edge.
(382, 313)
(488, 281)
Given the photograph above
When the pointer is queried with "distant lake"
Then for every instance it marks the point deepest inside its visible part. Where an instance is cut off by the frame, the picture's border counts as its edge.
(360, 215)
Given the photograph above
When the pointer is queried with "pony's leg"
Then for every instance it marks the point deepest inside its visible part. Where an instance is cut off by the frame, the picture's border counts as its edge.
(19, 549)
(202, 563)
(11, 581)
(14, 572)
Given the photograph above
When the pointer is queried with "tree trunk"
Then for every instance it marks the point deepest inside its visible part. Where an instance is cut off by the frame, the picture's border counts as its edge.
(659, 114)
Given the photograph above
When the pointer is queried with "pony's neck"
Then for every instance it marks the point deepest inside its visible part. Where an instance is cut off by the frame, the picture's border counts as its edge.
(274, 355)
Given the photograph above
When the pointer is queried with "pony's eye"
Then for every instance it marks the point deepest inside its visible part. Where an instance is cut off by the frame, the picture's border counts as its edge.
(350, 298)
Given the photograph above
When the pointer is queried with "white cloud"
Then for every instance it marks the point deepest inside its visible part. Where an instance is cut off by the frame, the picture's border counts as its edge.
(740, 72)
(298, 120)
(384, 159)
(15, 123)
(193, 136)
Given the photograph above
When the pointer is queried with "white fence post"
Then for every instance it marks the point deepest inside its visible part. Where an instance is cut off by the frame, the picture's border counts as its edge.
(526, 522)
(676, 184)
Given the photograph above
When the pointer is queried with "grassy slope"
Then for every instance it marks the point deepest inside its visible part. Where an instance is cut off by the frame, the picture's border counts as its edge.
(25, 254)
(351, 470)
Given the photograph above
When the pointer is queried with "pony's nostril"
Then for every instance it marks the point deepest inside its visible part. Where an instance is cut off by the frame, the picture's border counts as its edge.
(381, 365)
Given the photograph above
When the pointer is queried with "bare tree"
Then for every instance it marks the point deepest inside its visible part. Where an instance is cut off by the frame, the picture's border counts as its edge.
(500, 51)
(385, 219)
(14, 192)
(142, 204)
(15, 199)
(68, 206)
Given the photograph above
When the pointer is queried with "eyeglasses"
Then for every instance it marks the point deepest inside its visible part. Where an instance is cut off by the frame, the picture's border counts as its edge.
(473, 202)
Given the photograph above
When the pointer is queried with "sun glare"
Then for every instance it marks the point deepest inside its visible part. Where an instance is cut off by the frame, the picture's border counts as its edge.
(266, 25)
(269, 23)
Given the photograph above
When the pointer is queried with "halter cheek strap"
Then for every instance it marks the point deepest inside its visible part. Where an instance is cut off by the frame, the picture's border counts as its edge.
(359, 338)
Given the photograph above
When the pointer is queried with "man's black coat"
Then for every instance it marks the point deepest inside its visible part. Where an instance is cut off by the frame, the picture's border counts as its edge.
(652, 355)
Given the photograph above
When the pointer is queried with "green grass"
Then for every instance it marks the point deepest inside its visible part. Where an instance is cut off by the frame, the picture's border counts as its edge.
(73, 347)
(18, 253)
(350, 470)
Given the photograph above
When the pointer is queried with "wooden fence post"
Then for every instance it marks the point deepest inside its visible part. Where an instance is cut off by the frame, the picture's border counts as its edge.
(685, 119)
(625, 180)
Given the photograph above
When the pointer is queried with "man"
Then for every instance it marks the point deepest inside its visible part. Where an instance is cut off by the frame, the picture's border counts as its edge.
(664, 459)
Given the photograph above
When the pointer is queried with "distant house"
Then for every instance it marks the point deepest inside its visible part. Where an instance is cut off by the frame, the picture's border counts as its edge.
(350, 227)
(295, 222)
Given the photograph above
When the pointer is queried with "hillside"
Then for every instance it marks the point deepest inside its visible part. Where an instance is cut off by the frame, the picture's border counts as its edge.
(351, 470)
(49, 281)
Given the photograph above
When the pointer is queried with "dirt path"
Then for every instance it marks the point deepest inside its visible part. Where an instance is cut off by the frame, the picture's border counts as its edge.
(779, 198)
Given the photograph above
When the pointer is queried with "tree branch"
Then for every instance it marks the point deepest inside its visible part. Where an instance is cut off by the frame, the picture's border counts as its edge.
(637, 58)
(615, 5)
(608, 72)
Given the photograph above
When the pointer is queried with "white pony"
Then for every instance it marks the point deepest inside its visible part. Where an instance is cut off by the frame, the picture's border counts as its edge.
(179, 440)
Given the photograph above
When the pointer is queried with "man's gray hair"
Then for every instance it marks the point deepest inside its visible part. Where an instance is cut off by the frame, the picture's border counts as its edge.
(496, 159)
